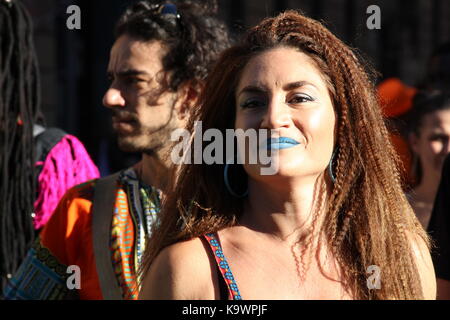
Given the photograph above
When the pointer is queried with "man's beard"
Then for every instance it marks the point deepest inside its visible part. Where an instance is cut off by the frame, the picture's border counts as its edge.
(141, 142)
(147, 140)
(141, 138)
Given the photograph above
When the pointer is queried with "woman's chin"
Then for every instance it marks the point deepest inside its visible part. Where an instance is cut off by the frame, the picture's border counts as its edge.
(287, 171)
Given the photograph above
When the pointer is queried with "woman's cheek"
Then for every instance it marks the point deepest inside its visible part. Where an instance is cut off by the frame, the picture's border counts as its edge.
(321, 125)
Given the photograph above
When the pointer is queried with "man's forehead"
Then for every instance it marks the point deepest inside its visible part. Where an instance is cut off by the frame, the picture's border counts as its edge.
(131, 54)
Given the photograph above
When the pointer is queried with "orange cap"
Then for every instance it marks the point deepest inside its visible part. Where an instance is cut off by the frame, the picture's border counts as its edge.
(395, 97)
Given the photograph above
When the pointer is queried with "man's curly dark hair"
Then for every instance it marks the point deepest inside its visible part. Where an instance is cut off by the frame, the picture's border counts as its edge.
(194, 36)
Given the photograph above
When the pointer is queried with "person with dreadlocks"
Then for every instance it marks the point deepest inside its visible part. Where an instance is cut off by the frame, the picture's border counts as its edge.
(158, 63)
(37, 164)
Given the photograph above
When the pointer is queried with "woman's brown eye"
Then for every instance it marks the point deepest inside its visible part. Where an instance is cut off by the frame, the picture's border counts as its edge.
(300, 99)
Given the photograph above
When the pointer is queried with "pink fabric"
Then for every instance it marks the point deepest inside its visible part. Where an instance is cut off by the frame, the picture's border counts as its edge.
(66, 165)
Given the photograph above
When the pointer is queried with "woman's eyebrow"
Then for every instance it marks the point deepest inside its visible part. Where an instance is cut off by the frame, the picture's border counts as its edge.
(297, 84)
(286, 87)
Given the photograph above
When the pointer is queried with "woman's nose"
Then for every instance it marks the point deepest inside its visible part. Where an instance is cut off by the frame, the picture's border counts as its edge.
(277, 115)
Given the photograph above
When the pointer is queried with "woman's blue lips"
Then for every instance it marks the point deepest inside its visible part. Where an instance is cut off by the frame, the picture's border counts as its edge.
(281, 143)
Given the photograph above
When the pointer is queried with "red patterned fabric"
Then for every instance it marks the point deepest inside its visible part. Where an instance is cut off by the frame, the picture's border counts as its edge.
(224, 268)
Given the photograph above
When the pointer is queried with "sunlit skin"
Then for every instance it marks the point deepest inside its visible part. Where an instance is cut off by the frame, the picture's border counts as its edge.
(144, 112)
(431, 145)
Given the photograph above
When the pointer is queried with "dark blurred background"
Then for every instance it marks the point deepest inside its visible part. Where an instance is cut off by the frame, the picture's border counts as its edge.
(73, 62)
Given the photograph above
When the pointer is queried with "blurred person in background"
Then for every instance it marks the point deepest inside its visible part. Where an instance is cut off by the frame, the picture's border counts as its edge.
(439, 225)
(37, 164)
(429, 138)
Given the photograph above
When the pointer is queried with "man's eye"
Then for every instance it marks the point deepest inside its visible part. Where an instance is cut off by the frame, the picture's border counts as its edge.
(133, 80)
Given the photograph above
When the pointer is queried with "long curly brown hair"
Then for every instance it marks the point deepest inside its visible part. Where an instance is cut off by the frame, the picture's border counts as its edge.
(368, 219)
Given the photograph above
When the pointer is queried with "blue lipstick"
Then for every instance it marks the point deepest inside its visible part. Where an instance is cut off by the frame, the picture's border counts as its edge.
(281, 143)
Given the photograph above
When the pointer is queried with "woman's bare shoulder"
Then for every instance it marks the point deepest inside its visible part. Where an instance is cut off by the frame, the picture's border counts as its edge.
(181, 271)
(424, 263)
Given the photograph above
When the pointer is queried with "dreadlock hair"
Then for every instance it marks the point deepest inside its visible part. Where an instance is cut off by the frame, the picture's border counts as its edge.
(19, 111)
(193, 38)
(367, 219)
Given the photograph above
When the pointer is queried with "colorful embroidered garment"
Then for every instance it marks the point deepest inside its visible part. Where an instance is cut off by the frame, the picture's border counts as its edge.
(40, 277)
(67, 238)
(134, 213)
(224, 267)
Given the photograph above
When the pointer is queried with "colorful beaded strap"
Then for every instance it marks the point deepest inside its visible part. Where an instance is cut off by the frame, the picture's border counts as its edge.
(224, 268)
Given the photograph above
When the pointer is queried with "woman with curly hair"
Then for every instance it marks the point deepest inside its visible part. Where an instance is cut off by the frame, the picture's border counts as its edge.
(331, 223)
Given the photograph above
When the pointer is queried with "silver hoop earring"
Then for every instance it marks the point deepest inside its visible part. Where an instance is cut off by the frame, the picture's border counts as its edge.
(228, 186)
(330, 165)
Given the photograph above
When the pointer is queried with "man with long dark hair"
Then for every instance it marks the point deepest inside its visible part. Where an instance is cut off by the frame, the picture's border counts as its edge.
(158, 63)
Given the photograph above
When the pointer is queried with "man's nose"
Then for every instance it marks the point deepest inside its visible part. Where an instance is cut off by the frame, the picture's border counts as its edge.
(113, 98)
(277, 115)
